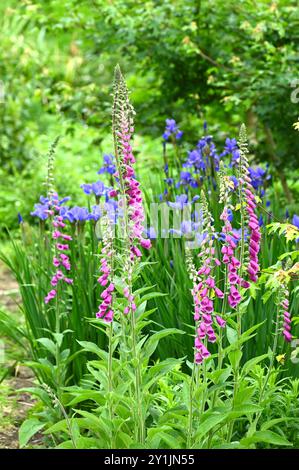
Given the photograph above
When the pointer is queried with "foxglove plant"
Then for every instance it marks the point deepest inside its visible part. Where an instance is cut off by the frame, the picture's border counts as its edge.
(248, 198)
(131, 196)
(61, 260)
(131, 216)
(205, 290)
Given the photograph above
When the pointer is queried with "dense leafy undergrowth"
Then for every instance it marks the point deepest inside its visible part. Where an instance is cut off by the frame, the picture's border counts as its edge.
(175, 333)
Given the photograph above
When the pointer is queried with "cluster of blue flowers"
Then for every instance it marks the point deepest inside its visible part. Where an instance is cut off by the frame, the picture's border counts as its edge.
(74, 214)
(259, 176)
(202, 161)
(204, 156)
(81, 214)
(41, 209)
(172, 129)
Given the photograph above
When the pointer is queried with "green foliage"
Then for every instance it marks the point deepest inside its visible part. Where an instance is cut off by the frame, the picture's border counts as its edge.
(133, 383)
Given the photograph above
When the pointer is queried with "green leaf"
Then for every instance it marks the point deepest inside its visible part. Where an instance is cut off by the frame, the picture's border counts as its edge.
(93, 348)
(83, 395)
(152, 295)
(153, 341)
(208, 421)
(57, 427)
(231, 334)
(252, 362)
(273, 422)
(220, 376)
(234, 358)
(96, 422)
(28, 429)
(66, 445)
(268, 437)
(159, 370)
(48, 344)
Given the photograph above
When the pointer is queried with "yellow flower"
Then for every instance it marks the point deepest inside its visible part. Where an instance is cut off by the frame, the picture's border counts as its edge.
(281, 358)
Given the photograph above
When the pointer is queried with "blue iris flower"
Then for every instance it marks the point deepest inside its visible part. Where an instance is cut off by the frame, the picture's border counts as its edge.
(109, 166)
(231, 148)
(169, 181)
(235, 181)
(75, 214)
(98, 188)
(295, 220)
(172, 129)
(40, 211)
(151, 233)
(95, 214)
(180, 202)
(204, 154)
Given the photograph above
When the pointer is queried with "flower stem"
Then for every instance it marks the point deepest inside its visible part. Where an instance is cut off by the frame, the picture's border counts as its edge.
(139, 421)
(110, 381)
(190, 420)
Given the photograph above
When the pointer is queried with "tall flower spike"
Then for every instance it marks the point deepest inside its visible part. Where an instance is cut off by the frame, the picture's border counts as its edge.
(61, 260)
(250, 206)
(230, 244)
(123, 128)
(131, 196)
(50, 167)
(106, 311)
(204, 289)
(286, 316)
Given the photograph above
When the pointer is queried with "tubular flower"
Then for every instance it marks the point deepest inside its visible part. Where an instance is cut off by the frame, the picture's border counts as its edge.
(250, 206)
(286, 316)
(61, 261)
(131, 200)
(132, 197)
(204, 290)
(106, 311)
(228, 258)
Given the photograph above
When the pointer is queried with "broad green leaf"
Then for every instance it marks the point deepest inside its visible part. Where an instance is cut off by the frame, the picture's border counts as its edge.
(268, 437)
(208, 421)
(234, 358)
(27, 430)
(273, 422)
(93, 348)
(154, 339)
(48, 344)
(231, 334)
(252, 362)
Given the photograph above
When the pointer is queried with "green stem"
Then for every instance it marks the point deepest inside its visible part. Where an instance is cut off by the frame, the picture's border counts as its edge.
(264, 386)
(242, 251)
(231, 424)
(204, 384)
(57, 349)
(190, 420)
(110, 382)
(139, 421)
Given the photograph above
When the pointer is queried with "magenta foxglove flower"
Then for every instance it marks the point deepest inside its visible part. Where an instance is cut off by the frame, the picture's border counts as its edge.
(252, 220)
(61, 261)
(106, 311)
(286, 318)
(129, 188)
(233, 264)
(204, 289)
